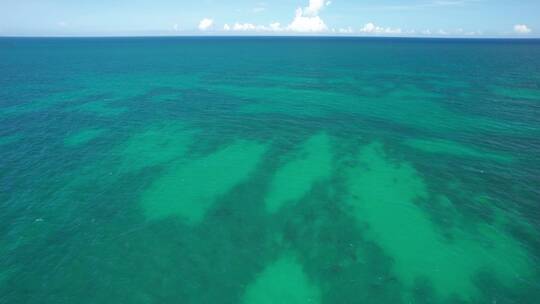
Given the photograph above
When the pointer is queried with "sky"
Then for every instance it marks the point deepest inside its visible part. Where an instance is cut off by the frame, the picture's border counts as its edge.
(429, 18)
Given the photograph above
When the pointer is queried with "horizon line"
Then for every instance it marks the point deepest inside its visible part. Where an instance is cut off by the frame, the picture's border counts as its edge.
(464, 37)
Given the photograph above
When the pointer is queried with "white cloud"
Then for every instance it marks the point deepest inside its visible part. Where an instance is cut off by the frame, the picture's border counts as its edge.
(371, 28)
(306, 24)
(442, 32)
(276, 27)
(368, 28)
(348, 30)
(522, 29)
(249, 27)
(206, 24)
(307, 19)
(313, 8)
(244, 27)
(445, 32)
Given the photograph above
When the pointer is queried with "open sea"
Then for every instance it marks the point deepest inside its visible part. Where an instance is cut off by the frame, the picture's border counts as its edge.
(269, 170)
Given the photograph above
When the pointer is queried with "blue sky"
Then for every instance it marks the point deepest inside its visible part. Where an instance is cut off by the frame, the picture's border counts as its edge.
(468, 18)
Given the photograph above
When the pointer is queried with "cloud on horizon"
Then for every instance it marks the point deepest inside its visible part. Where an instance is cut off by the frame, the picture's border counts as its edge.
(308, 20)
(206, 24)
(522, 29)
(371, 28)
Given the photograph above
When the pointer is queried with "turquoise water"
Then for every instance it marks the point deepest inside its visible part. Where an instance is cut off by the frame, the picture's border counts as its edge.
(269, 170)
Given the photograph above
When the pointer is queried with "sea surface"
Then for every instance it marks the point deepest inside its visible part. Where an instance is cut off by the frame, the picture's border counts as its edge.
(269, 170)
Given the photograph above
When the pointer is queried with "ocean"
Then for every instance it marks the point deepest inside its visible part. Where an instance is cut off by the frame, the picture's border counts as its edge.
(269, 170)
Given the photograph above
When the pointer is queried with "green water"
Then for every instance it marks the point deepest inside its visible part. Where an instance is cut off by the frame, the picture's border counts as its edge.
(189, 189)
(283, 281)
(384, 195)
(269, 170)
(312, 164)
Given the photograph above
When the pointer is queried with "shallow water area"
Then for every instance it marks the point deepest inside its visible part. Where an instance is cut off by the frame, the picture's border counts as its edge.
(188, 189)
(312, 164)
(385, 194)
(283, 281)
